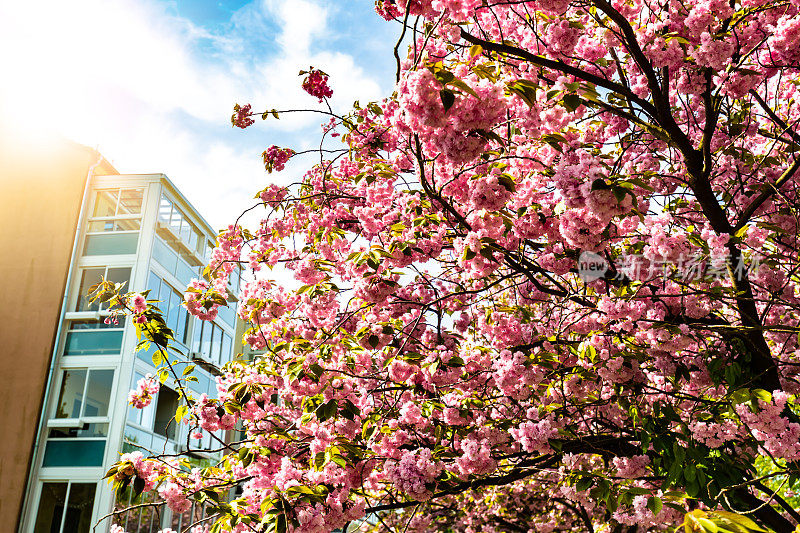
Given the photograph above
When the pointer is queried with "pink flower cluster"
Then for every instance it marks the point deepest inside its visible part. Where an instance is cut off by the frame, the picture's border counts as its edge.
(275, 158)
(197, 301)
(241, 116)
(316, 84)
(414, 473)
(145, 391)
(175, 497)
(139, 304)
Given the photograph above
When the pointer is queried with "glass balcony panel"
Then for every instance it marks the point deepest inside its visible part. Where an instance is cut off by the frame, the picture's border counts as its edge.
(205, 339)
(216, 341)
(185, 272)
(138, 437)
(51, 507)
(164, 210)
(228, 314)
(74, 453)
(193, 238)
(93, 342)
(173, 311)
(105, 203)
(130, 202)
(165, 256)
(227, 343)
(98, 393)
(186, 231)
(176, 221)
(70, 398)
(111, 244)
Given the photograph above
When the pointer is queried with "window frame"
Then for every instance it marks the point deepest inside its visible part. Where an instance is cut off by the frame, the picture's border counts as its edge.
(111, 218)
(69, 481)
(70, 422)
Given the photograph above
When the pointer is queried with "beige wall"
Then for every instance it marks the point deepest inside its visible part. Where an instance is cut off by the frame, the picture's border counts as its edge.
(41, 188)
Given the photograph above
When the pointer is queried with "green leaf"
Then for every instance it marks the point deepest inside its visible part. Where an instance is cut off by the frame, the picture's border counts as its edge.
(448, 99)
(181, 412)
(655, 504)
(740, 520)
(571, 102)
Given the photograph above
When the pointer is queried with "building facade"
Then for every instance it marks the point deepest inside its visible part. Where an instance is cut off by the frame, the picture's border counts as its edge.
(41, 191)
(137, 229)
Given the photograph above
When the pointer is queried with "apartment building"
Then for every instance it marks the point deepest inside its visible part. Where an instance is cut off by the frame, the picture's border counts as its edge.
(141, 230)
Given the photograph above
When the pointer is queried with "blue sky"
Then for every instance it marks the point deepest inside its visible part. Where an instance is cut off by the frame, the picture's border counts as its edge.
(152, 84)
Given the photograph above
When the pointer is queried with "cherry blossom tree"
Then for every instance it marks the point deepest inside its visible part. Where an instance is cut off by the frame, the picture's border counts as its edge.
(550, 284)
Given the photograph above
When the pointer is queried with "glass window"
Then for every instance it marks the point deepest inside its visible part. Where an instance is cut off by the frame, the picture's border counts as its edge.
(74, 517)
(130, 202)
(164, 210)
(205, 339)
(93, 276)
(182, 329)
(70, 398)
(226, 347)
(105, 204)
(84, 431)
(194, 237)
(97, 340)
(74, 452)
(89, 277)
(186, 272)
(216, 343)
(84, 393)
(228, 314)
(98, 392)
(124, 224)
(171, 303)
(51, 507)
(165, 256)
(111, 244)
(114, 202)
(166, 405)
(176, 221)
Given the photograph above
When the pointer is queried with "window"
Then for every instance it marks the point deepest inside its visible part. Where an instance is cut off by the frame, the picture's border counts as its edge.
(171, 216)
(93, 276)
(79, 426)
(212, 343)
(174, 262)
(114, 226)
(84, 393)
(175, 314)
(117, 202)
(65, 507)
(166, 404)
(156, 418)
(94, 337)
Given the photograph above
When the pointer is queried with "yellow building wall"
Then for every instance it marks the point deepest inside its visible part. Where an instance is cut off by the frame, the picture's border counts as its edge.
(41, 189)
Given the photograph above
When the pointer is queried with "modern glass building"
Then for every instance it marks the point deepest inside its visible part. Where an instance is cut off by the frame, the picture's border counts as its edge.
(141, 230)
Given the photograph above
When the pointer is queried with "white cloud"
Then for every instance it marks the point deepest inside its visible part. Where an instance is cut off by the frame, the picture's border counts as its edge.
(155, 92)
